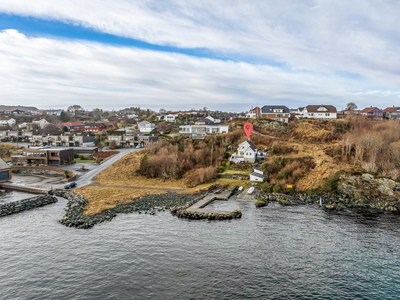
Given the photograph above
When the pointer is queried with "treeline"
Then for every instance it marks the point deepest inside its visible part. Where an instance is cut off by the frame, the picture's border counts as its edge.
(196, 161)
(375, 146)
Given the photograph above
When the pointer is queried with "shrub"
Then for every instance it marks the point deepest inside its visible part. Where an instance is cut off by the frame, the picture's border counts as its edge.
(76, 155)
(276, 188)
(200, 176)
(223, 164)
(226, 155)
(331, 183)
(221, 169)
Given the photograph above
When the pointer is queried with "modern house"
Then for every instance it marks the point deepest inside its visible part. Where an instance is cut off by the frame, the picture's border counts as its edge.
(391, 112)
(277, 113)
(146, 127)
(319, 112)
(170, 118)
(4, 122)
(131, 141)
(246, 152)
(254, 113)
(257, 175)
(45, 156)
(62, 140)
(198, 131)
(372, 113)
(5, 170)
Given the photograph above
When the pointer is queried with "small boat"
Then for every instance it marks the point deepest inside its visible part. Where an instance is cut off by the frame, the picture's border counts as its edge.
(240, 189)
(251, 190)
(2, 191)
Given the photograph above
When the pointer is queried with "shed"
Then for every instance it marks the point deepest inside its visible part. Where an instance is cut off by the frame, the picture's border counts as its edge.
(257, 175)
(5, 170)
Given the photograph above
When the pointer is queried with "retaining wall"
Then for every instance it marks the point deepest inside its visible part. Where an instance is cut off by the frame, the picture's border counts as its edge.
(50, 171)
(26, 204)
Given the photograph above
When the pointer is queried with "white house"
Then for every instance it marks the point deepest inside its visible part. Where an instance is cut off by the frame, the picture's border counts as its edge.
(170, 118)
(200, 130)
(257, 175)
(247, 152)
(42, 123)
(214, 119)
(7, 122)
(319, 112)
(146, 127)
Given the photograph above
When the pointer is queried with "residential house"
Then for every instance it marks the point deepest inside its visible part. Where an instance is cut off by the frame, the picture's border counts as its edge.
(28, 126)
(246, 152)
(319, 112)
(94, 126)
(5, 171)
(170, 118)
(372, 113)
(54, 112)
(14, 112)
(257, 175)
(45, 156)
(62, 140)
(254, 113)
(198, 131)
(77, 126)
(131, 140)
(392, 112)
(146, 127)
(4, 122)
(214, 119)
(42, 123)
(14, 135)
(276, 112)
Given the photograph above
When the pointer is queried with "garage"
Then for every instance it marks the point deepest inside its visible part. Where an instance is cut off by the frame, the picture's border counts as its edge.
(5, 171)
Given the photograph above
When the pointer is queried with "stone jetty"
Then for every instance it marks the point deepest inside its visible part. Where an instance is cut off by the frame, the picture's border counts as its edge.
(26, 204)
(197, 211)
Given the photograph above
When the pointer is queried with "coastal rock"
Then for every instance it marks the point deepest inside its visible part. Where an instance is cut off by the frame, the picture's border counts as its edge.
(367, 177)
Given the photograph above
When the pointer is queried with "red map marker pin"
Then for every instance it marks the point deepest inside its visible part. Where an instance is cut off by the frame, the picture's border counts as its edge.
(248, 128)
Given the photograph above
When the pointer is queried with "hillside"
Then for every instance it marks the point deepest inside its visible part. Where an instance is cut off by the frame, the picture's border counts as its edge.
(20, 107)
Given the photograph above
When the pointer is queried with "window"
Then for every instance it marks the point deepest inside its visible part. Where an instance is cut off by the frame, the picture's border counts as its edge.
(327, 114)
(278, 115)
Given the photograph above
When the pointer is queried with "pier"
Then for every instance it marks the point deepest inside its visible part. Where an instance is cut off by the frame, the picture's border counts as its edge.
(197, 210)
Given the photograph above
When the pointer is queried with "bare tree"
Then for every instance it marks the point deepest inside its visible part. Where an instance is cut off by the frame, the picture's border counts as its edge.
(351, 106)
(75, 109)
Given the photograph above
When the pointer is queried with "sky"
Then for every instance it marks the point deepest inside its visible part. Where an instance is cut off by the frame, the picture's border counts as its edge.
(182, 54)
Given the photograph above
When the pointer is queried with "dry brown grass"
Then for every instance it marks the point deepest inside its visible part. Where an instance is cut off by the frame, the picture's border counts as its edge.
(101, 198)
(6, 150)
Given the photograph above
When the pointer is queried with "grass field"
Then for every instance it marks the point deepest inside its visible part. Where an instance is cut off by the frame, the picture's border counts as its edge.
(77, 160)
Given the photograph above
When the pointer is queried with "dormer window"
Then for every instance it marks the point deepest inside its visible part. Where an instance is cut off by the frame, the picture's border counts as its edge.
(322, 109)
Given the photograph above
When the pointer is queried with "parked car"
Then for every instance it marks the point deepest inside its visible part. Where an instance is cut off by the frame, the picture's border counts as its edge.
(70, 185)
(139, 146)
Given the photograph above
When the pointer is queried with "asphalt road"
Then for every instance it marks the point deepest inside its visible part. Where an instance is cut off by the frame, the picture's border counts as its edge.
(88, 177)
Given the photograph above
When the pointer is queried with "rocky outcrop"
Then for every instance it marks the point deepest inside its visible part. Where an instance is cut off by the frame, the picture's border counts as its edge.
(26, 204)
(208, 215)
(150, 204)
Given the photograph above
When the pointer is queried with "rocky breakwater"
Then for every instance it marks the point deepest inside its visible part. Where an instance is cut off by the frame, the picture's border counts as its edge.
(150, 204)
(26, 204)
(355, 192)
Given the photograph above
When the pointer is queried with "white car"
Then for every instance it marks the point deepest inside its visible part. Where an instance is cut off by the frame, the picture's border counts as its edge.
(139, 146)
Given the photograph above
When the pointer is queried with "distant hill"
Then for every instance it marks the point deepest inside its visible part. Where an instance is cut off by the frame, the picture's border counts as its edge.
(20, 107)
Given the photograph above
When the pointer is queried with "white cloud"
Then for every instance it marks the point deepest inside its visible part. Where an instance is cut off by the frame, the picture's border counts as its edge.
(57, 73)
(316, 35)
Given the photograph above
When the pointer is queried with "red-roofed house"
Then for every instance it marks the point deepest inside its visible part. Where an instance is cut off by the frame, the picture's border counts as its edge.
(372, 113)
(392, 112)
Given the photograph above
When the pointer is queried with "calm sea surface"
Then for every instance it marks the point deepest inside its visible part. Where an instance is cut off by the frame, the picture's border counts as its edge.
(273, 252)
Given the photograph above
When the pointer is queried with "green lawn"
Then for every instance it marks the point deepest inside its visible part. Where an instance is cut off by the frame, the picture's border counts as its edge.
(77, 160)
(241, 172)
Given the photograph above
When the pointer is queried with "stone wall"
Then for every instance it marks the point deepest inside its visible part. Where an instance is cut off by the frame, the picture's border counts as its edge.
(26, 204)
(46, 171)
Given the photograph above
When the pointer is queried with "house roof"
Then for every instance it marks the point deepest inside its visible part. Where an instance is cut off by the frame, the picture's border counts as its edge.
(270, 108)
(391, 109)
(3, 165)
(251, 145)
(368, 109)
(314, 108)
(257, 175)
(70, 124)
(94, 124)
